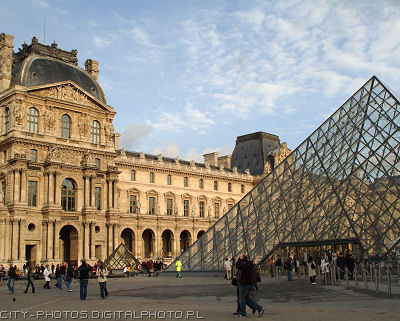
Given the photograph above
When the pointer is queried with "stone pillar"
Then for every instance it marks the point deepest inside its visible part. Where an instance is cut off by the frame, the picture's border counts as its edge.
(116, 236)
(24, 187)
(109, 183)
(57, 190)
(92, 192)
(15, 234)
(50, 240)
(2, 237)
(51, 189)
(16, 186)
(46, 188)
(22, 232)
(6, 56)
(86, 241)
(7, 243)
(92, 241)
(87, 191)
(110, 238)
(44, 240)
(56, 237)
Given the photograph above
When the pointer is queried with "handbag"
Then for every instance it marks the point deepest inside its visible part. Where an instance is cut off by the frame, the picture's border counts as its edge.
(234, 282)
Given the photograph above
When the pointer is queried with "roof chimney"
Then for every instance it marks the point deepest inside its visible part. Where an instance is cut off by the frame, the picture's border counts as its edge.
(211, 158)
(6, 59)
(92, 67)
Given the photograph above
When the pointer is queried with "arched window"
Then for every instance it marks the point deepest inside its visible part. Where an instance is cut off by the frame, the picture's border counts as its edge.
(95, 132)
(32, 120)
(229, 187)
(201, 183)
(68, 188)
(65, 126)
(7, 120)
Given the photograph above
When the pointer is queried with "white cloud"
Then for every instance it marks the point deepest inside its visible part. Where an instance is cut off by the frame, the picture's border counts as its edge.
(134, 135)
(41, 3)
(171, 150)
(100, 42)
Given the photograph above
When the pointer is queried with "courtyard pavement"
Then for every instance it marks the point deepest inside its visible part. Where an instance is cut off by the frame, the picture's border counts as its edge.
(193, 297)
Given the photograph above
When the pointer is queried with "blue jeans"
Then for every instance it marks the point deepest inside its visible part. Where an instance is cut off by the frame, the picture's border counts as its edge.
(11, 281)
(59, 282)
(289, 275)
(63, 277)
(69, 284)
(103, 289)
(83, 288)
(245, 298)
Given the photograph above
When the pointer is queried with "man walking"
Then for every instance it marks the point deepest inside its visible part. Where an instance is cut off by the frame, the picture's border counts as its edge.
(83, 270)
(178, 268)
(246, 286)
(29, 277)
(11, 278)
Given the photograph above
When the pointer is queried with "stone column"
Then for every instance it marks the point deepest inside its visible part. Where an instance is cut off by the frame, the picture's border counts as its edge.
(7, 239)
(46, 188)
(116, 236)
(16, 186)
(80, 245)
(92, 192)
(44, 240)
(51, 189)
(24, 188)
(22, 232)
(15, 234)
(92, 241)
(57, 190)
(86, 241)
(50, 240)
(2, 237)
(56, 238)
(87, 191)
(110, 238)
(109, 184)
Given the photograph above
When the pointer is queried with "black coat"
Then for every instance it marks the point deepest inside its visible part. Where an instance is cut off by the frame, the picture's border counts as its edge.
(84, 271)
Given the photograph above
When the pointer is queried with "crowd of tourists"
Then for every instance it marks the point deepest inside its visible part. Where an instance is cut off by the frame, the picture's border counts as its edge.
(61, 273)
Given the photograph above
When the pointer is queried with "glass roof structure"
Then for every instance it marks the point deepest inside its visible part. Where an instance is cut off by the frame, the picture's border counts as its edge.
(120, 258)
(341, 183)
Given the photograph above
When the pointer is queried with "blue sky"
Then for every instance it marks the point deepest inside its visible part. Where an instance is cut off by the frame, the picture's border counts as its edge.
(188, 77)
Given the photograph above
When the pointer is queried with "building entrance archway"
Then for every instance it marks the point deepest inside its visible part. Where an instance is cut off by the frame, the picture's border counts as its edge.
(185, 240)
(200, 234)
(148, 243)
(128, 239)
(167, 244)
(69, 244)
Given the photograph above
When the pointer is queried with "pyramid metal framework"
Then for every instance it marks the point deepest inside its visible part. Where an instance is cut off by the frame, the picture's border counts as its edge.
(120, 258)
(341, 183)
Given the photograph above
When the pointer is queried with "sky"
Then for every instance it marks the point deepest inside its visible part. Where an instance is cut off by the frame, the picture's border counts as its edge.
(187, 77)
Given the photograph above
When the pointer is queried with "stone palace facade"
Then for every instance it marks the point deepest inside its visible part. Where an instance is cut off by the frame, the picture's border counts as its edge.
(68, 192)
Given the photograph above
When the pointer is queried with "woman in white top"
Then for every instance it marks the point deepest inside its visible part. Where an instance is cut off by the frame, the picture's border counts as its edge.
(46, 274)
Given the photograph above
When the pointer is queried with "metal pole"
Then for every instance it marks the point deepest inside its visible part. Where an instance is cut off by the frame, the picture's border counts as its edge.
(389, 282)
(379, 272)
(331, 270)
(339, 276)
(346, 271)
(365, 280)
(398, 271)
(376, 281)
(372, 269)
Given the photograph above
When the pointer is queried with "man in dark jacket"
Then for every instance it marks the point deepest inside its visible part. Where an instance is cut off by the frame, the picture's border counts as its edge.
(246, 285)
(83, 271)
(11, 278)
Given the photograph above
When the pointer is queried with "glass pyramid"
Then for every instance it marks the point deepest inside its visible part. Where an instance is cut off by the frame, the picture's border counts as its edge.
(120, 258)
(341, 183)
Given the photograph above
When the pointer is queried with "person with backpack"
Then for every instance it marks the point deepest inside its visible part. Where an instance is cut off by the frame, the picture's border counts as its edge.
(288, 268)
(246, 285)
(29, 277)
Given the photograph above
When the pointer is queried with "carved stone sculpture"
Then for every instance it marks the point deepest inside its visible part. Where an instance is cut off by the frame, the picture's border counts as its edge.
(19, 111)
(49, 119)
(83, 125)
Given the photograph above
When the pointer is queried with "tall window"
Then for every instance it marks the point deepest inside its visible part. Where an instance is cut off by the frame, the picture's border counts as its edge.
(202, 208)
(133, 175)
(151, 177)
(216, 210)
(215, 185)
(4, 190)
(68, 189)
(229, 187)
(65, 126)
(32, 120)
(132, 204)
(169, 179)
(152, 205)
(7, 120)
(95, 132)
(185, 182)
(97, 162)
(201, 183)
(32, 193)
(33, 155)
(169, 206)
(185, 207)
(242, 188)
(97, 197)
